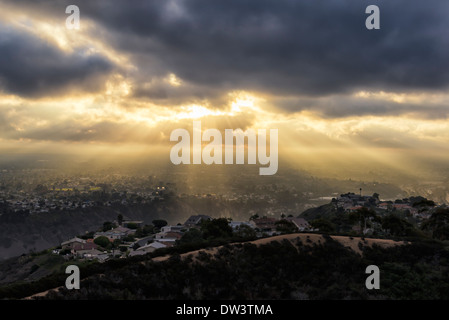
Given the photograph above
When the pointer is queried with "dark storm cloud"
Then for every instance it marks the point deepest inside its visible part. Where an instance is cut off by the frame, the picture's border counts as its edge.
(280, 47)
(31, 67)
(285, 46)
(162, 93)
(345, 106)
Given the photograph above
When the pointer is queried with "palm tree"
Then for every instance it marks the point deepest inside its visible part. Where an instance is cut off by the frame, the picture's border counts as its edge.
(362, 215)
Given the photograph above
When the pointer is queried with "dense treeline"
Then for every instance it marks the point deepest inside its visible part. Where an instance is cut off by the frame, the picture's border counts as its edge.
(277, 270)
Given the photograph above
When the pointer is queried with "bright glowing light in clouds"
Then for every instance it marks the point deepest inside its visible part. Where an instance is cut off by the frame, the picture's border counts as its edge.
(173, 80)
(196, 112)
(117, 85)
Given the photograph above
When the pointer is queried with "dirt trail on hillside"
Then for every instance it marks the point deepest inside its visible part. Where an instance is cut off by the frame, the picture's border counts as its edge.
(353, 243)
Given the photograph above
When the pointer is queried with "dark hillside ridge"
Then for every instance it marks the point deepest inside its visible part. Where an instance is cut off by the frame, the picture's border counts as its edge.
(289, 267)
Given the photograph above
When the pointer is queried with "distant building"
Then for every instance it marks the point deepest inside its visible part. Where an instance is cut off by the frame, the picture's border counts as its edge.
(383, 205)
(194, 221)
(147, 248)
(172, 228)
(117, 233)
(235, 224)
(142, 241)
(354, 209)
(157, 245)
(349, 201)
(91, 254)
(168, 236)
(300, 223)
(69, 244)
(265, 224)
(83, 246)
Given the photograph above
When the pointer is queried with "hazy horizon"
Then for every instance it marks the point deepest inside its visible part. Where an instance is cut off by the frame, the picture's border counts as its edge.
(349, 103)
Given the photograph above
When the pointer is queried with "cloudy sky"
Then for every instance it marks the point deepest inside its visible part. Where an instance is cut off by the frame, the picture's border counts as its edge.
(339, 94)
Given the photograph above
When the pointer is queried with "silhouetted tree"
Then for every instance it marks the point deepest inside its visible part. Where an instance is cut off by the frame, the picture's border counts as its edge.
(159, 223)
(254, 217)
(395, 225)
(323, 225)
(245, 232)
(216, 228)
(438, 224)
(285, 226)
(102, 241)
(362, 215)
(108, 226)
(192, 236)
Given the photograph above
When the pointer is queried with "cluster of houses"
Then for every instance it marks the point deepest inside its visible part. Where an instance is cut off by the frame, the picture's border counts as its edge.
(78, 248)
(39, 205)
(264, 226)
(351, 202)
(83, 249)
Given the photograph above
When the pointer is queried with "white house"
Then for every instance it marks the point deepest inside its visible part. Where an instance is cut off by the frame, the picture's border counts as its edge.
(147, 248)
(172, 228)
(117, 233)
(88, 254)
